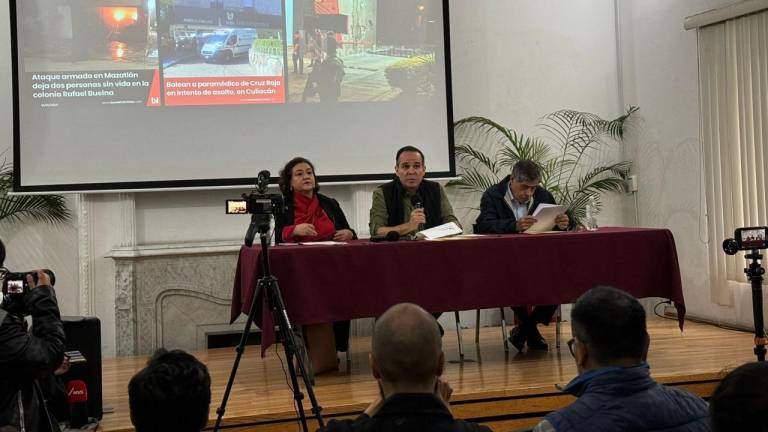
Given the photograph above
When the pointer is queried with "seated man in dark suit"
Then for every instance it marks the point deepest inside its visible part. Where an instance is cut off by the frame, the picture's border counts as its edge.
(506, 208)
(407, 361)
(614, 387)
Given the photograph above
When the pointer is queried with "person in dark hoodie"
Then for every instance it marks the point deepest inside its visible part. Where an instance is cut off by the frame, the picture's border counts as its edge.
(26, 357)
(407, 361)
(614, 387)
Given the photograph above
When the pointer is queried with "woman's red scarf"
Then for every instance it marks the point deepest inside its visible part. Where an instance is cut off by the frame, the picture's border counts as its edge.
(308, 210)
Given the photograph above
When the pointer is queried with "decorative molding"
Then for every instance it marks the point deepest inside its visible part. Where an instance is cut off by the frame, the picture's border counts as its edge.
(125, 312)
(85, 256)
(160, 313)
(362, 197)
(127, 219)
(174, 249)
(125, 281)
(194, 280)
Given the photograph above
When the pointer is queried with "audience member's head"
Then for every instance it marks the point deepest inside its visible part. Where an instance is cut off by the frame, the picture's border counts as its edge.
(173, 392)
(608, 327)
(740, 402)
(407, 349)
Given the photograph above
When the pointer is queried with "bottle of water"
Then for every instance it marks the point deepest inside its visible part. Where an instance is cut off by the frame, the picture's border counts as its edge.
(590, 222)
(271, 230)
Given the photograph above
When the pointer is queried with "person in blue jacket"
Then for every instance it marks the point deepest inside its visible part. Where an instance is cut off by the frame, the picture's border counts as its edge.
(614, 387)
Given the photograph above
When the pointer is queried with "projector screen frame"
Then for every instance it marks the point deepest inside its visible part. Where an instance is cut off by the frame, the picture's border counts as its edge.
(212, 183)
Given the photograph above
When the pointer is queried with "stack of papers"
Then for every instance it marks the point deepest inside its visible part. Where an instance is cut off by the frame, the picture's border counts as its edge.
(545, 215)
(441, 231)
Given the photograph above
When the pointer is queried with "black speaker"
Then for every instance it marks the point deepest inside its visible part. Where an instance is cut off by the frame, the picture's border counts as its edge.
(84, 335)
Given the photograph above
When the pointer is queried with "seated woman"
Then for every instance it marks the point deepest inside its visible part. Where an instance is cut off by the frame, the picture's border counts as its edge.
(311, 216)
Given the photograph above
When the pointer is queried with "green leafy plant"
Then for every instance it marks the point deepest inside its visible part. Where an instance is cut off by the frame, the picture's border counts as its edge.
(568, 160)
(39, 208)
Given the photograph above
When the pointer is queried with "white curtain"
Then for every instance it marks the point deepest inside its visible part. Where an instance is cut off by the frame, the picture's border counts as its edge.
(733, 79)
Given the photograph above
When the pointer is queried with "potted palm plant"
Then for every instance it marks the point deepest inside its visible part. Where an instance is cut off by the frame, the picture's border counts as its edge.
(39, 208)
(572, 166)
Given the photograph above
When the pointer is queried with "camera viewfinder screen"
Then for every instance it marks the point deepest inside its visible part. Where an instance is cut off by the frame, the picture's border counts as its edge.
(15, 287)
(753, 238)
(236, 207)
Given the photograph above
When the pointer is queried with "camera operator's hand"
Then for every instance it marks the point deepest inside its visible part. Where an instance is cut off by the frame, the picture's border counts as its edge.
(42, 279)
(303, 230)
(63, 368)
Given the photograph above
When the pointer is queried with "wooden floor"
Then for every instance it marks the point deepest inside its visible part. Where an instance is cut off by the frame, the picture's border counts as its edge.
(504, 391)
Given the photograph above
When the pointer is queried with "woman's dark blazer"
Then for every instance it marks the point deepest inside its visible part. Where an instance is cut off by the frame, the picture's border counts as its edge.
(329, 205)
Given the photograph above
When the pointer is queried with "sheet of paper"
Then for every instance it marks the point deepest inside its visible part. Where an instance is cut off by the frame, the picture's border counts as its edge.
(330, 242)
(545, 215)
(459, 237)
(441, 231)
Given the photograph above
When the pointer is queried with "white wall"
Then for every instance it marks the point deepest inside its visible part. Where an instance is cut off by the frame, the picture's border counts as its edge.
(513, 61)
(516, 61)
(659, 61)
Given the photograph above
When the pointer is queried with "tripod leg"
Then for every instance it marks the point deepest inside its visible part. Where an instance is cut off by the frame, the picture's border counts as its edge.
(289, 342)
(298, 396)
(240, 349)
(757, 311)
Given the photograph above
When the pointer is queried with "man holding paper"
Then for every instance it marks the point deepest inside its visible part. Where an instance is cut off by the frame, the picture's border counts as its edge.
(409, 203)
(507, 208)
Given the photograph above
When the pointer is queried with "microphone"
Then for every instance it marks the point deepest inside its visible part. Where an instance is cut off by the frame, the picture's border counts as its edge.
(417, 204)
(77, 399)
(390, 237)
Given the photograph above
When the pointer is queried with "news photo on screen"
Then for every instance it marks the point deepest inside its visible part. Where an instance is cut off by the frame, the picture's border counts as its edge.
(145, 81)
(753, 238)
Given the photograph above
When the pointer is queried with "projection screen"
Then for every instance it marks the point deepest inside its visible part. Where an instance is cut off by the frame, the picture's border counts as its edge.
(153, 94)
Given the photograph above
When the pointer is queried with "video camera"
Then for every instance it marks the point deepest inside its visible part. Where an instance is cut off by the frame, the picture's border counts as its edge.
(258, 202)
(260, 205)
(15, 288)
(749, 238)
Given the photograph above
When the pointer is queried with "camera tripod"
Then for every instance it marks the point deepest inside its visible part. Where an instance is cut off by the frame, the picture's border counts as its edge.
(755, 275)
(267, 286)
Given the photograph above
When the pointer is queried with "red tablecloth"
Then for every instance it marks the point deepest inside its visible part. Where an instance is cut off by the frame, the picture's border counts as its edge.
(323, 284)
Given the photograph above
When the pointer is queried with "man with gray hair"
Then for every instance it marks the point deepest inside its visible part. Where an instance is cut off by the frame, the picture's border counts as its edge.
(407, 361)
(505, 209)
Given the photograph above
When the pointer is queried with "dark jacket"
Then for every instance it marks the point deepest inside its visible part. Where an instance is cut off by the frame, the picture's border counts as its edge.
(25, 357)
(407, 412)
(628, 400)
(495, 215)
(429, 191)
(329, 205)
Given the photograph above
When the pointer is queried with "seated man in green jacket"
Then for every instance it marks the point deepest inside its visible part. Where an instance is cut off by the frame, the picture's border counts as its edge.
(409, 203)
